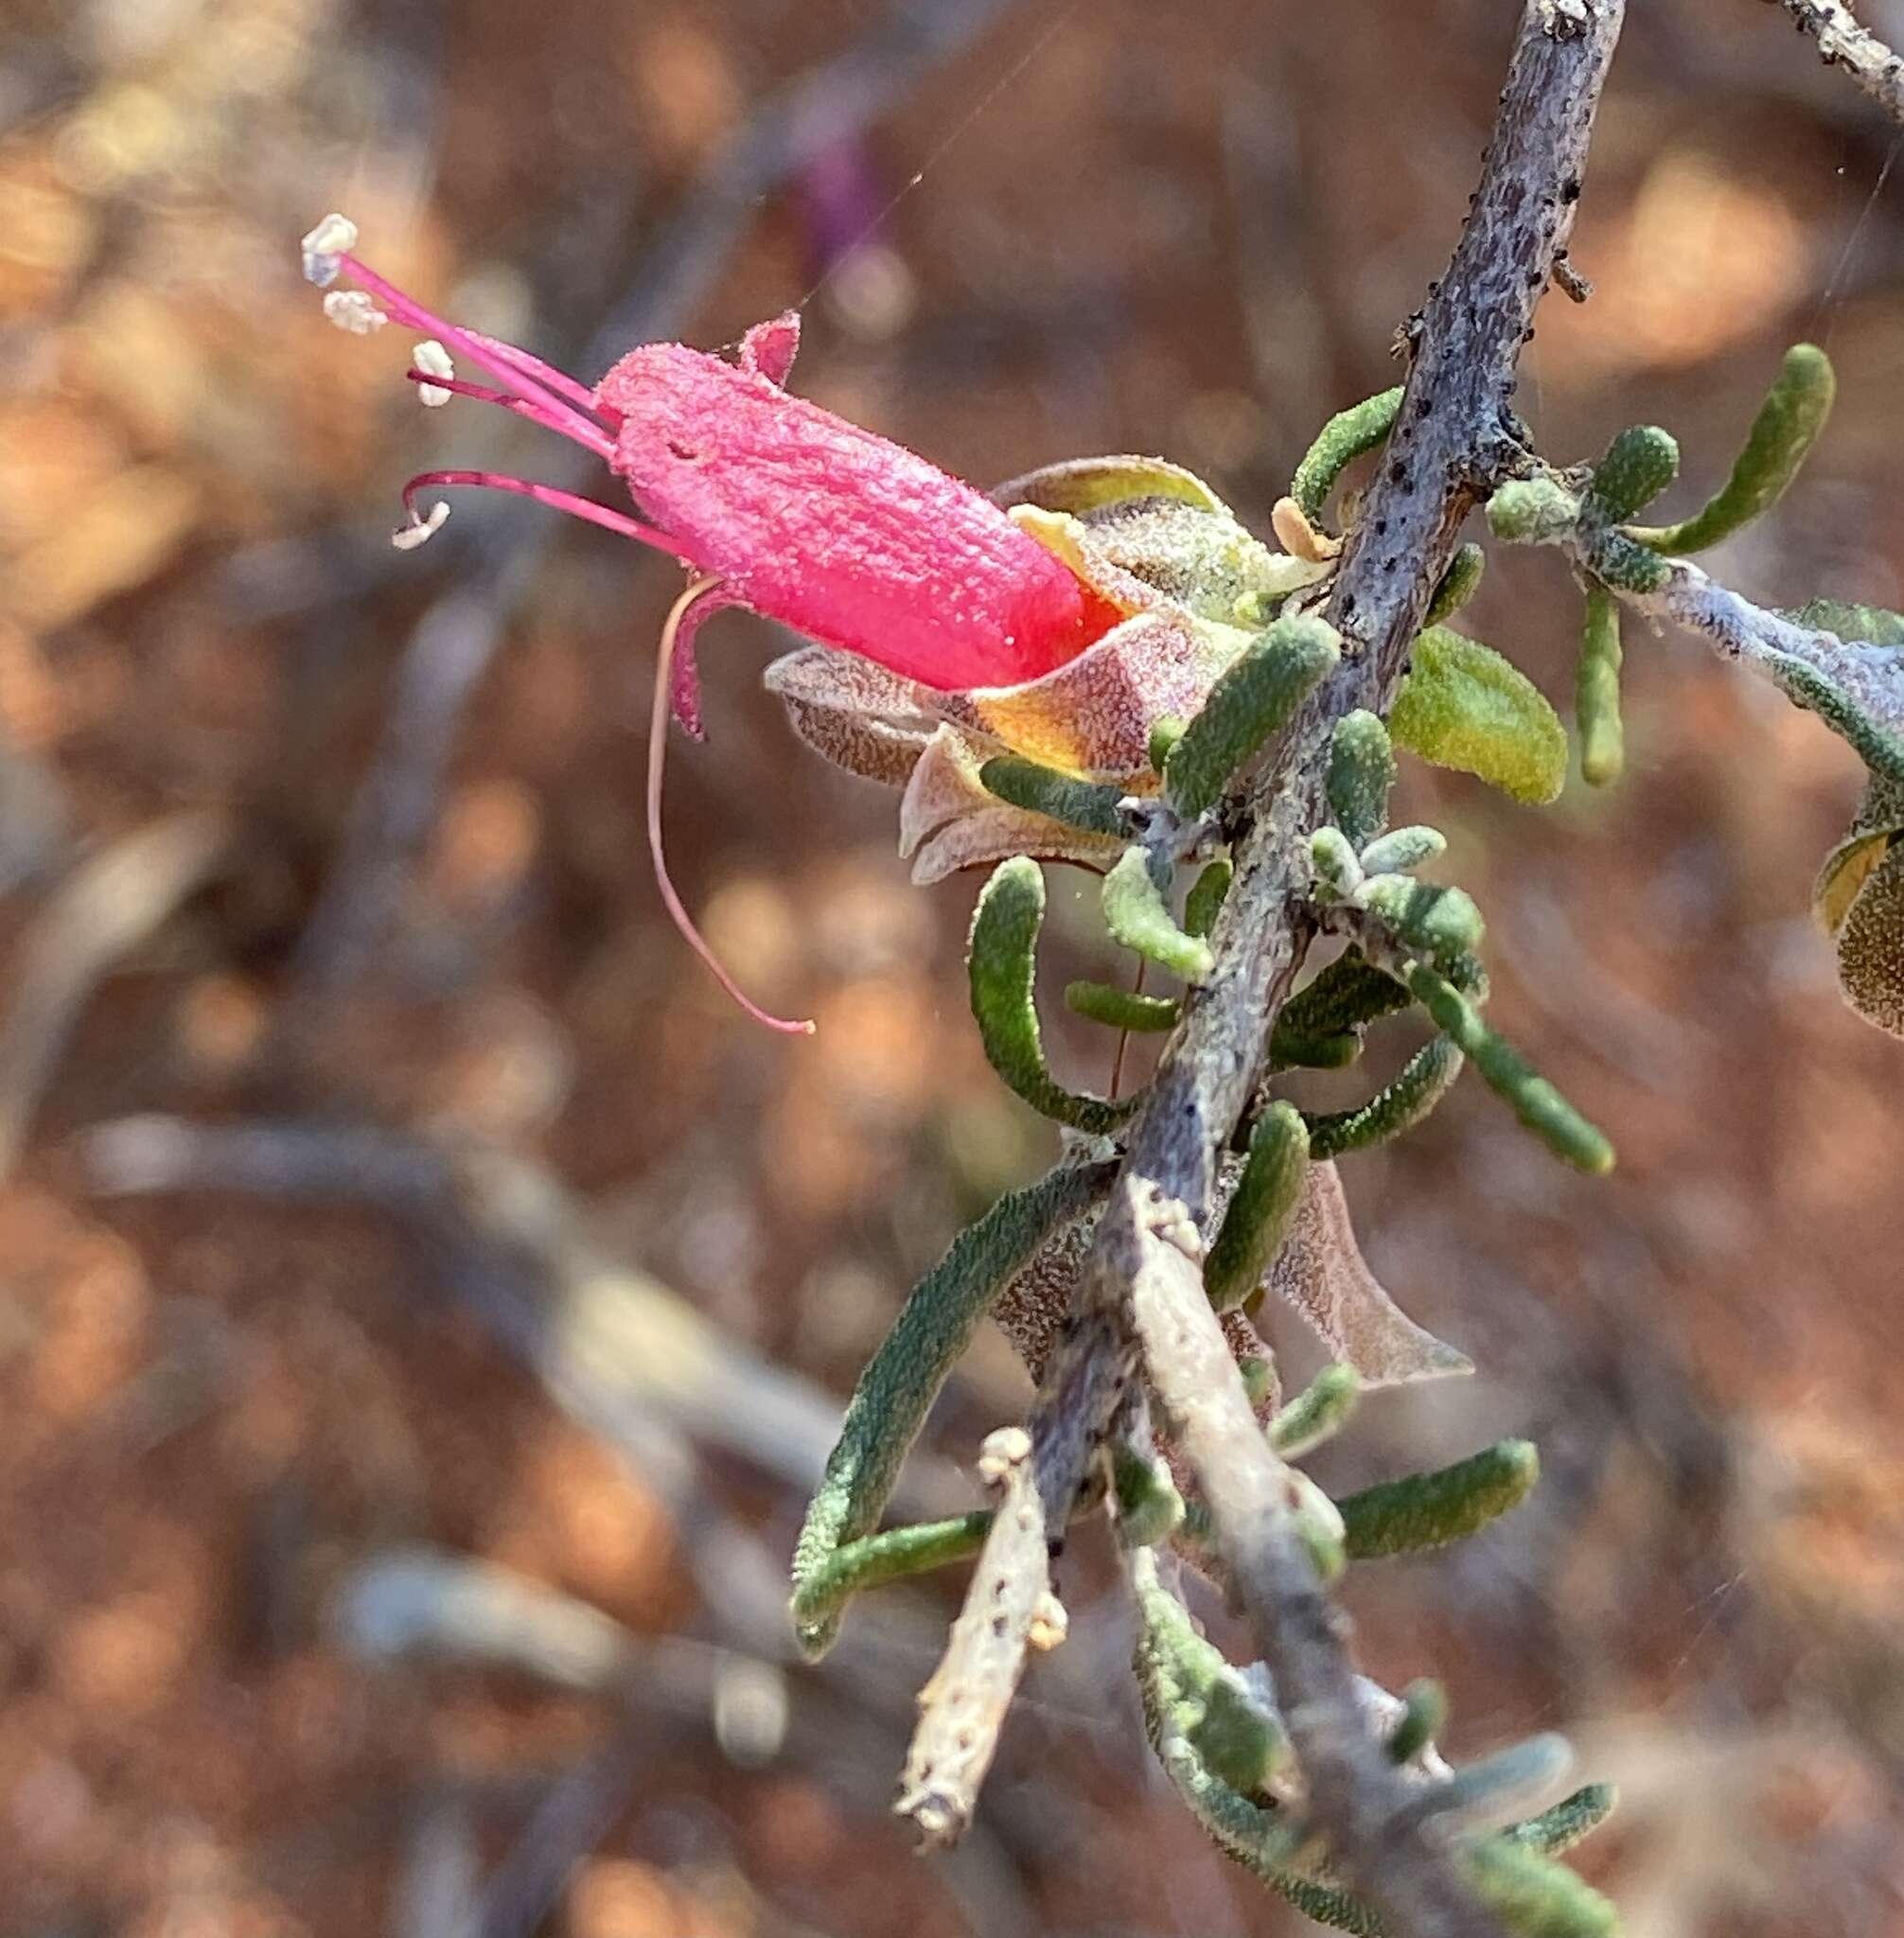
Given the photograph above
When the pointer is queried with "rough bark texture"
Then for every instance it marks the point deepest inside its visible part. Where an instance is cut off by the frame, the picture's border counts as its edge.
(1845, 43)
(1455, 436)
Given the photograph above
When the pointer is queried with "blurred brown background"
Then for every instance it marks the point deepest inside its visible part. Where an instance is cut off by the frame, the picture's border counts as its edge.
(390, 1524)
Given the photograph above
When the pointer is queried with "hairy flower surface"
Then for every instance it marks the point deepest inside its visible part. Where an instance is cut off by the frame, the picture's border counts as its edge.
(1059, 617)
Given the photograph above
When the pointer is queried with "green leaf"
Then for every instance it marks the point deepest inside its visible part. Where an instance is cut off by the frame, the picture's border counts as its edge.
(1423, 1081)
(1206, 898)
(1536, 1897)
(1338, 444)
(1361, 773)
(1429, 1510)
(1640, 463)
(1869, 625)
(1085, 804)
(1002, 964)
(1403, 848)
(1438, 921)
(1136, 917)
(1597, 690)
(1871, 945)
(901, 1380)
(1316, 1414)
(1121, 1009)
(1250, 703)
(1165, 734)
(1347, 993)
(1459, 583)
(1462, 705)
(1424, 1715)
(1334, 862)
(1562, 1825)
(880, 1559)
(1532, 511)
(1536, 1103)
(1253, 1227)
(1149, 1507)
(1780, 439)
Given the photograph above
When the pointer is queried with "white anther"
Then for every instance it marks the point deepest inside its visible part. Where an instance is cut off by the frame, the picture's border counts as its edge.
(408, 537)
(434, 361)
(354, 312)
(332, 238)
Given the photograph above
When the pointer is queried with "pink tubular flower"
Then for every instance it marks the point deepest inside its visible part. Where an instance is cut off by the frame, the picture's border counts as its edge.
(770, 501)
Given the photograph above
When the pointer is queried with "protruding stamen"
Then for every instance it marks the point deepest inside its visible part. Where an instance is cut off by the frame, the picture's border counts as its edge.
(657, 747)
(556, 381)
(325, 247)
(420, 529)
(354, 312)
(443, 388)
(557, 500)
(432, 360)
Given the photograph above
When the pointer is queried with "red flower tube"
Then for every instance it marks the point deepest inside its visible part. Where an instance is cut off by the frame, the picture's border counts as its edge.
(771, 502)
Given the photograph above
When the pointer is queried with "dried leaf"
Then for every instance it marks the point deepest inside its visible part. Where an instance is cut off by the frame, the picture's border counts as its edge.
(1320, 1271)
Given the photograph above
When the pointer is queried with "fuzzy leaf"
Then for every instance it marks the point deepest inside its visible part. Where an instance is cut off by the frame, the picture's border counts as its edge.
(1459, 583)
(1266, 1193)
(1597, 690)
(1002, 968)
(1403, 848)
(903, 1378)
(1441, 923)
(1421, 1083)
(880, 1559)
(1429, 1510)
(1532, 511)
(1509, 1074)
(1252, 700)
(1206, 898)
(1136, 917)
(1871, 946)
(1086, 484)
(1464, 706)
(1316, 1414)
(1149, 1508)
(1361, 774)
(1121, 1009)
(1640, 463)
(1087, 804)
(1320, 1271)
(1338, 444)
(1780, 439)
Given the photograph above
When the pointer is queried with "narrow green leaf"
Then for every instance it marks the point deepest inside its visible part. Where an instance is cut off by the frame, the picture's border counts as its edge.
(1136, 917)
(1532, 511)
(1253, 1227)
(1561, 1826)
(1078, 803)
(1535, 1897)
(883, 1558)
(1462, 705)
(1165, 734)
(1334, 862)
(1536, 1103)
(1397, 1106)
(1206, 898)
(1403, 848)
(1424, 1715)
(1249, 703)
(1640, 463)
(1338, 444)
(1347, 993)
(1002, 964)
(1441, 923)
(1429, 1510)
(1625, 562)
(903, 1378)
(1317, 1413)
(1123, 1008)
(1459, 583)
(1149, 1507)
(1778, 443)
(1597, 690)
(1361, 773)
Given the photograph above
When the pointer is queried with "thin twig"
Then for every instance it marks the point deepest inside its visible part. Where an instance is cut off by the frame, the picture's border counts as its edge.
(1843, 42)
(1455, 435)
